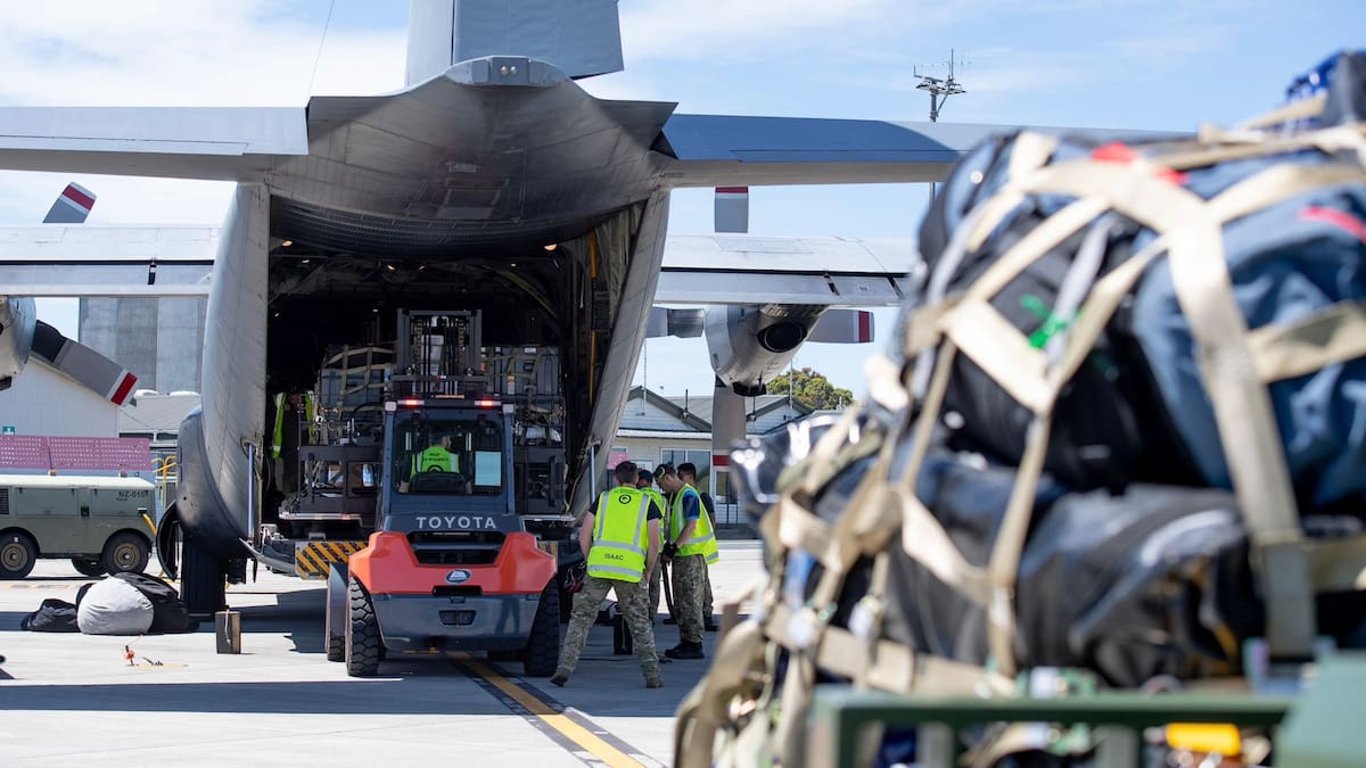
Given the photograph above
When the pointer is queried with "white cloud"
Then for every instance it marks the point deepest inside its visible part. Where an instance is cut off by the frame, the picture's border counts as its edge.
(143, 52)
(737, 29)
(157, 52)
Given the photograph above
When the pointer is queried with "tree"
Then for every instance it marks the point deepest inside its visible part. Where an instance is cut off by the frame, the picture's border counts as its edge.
(812, 389)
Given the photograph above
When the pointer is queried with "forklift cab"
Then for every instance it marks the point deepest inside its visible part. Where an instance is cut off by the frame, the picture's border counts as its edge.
(447, 457)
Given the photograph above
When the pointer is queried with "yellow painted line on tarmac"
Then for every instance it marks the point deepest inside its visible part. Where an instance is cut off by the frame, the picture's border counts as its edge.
(571, 730)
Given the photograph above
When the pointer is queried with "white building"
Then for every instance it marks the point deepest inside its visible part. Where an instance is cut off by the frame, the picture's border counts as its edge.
(42, 401)
(656, 429)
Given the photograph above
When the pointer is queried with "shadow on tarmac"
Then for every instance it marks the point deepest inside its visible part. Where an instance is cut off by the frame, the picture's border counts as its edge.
(380, 696)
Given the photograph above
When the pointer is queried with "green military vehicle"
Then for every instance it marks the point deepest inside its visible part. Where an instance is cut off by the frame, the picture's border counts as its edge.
(101, 523)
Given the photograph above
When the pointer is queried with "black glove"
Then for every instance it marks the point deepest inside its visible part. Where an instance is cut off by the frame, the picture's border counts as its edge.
(670, 549)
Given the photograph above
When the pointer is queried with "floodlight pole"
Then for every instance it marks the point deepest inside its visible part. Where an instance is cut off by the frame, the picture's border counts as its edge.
(940, 91)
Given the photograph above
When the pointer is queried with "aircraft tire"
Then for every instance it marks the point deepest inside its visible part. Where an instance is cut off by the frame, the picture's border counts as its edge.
(203, 584)
(362, 651)
(542, 653)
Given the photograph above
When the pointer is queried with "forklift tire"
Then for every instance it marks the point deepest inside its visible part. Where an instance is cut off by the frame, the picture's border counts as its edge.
(336, 648)
(334, 617)
(362, 650)
(542, 653)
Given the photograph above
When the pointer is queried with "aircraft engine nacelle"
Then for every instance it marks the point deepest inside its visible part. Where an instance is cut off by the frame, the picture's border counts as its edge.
(749, 345)
(18, 319)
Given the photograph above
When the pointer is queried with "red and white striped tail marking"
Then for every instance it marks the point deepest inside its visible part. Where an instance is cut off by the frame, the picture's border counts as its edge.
(123, 387)
(72, 206)
(79, 197)
(731, 209)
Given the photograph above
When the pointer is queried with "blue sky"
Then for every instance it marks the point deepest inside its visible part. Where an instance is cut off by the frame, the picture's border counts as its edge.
(1150, 64)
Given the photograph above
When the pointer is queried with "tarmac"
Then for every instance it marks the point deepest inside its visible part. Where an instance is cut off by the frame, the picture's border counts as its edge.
(68, 699)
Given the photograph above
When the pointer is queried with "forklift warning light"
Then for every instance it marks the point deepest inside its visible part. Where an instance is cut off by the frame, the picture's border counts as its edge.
(486, 403)
(411, 402)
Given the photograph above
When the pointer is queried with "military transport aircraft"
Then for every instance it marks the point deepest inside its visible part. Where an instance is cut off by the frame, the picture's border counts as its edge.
(492, 179)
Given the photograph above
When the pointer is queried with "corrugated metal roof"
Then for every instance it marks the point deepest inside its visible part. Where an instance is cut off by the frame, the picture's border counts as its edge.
(156, 413)
(693, 414)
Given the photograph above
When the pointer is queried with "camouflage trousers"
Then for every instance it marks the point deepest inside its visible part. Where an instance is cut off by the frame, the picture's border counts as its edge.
(690, 586)
(631, 601)
(657, 582)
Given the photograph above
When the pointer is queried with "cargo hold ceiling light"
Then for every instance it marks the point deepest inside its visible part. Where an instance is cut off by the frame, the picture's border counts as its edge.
(552, 246)
(286, 243)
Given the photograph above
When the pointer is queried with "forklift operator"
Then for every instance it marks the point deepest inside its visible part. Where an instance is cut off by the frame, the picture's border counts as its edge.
(436, 458)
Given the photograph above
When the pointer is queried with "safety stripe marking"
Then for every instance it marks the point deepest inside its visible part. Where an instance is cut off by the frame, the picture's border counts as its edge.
(537, 709)
(314, 558)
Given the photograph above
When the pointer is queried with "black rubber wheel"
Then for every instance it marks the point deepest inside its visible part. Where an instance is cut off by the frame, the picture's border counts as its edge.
(362, 633)
(18, 553)
(87, 567)
(336, 648)
(126, 552)
(203, 584)
(542, 653)
(334, 636)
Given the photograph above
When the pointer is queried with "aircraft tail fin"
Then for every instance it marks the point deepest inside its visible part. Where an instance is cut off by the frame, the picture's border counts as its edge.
(582, 38)
(843, 326)
(96, 372)
(731, 212)
(72, 206)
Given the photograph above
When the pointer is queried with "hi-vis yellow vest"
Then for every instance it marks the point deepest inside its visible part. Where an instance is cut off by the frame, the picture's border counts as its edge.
(703, 541)
(437, 458)
(310, 417)
(619, 535)
(658, 499)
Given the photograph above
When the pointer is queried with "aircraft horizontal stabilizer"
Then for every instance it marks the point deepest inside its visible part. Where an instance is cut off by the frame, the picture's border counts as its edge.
(96, 372)
(843, 326)
(212, 143)
(729, 150)
(682, 323)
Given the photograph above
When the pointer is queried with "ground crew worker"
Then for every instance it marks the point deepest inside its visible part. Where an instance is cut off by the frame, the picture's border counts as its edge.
(690, 543)
(645, 482)
(687, 472)
(621, 537)
(291, 412)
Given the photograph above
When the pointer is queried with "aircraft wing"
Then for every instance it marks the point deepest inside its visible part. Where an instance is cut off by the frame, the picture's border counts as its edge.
(720, 150)
(208, 143)
(813, 271)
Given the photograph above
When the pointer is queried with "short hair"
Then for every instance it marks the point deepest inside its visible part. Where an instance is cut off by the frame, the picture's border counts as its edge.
(687, 468)
(664, 470)
(644, 474)
(626, 472)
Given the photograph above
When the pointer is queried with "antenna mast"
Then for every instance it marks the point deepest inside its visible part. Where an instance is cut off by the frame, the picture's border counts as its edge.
(940, 89)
